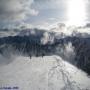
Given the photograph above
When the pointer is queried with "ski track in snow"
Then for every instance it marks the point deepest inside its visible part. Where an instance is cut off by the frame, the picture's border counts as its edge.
(45, 73)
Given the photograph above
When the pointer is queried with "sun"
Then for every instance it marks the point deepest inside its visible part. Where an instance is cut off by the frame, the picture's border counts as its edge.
(76, 12)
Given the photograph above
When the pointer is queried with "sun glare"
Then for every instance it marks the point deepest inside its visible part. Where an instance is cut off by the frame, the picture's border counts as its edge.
(76, 12)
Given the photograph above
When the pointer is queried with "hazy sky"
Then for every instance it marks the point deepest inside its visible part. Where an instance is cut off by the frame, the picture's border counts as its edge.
(43, 12)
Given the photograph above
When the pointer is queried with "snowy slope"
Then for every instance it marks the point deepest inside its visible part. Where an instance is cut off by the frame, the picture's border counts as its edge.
(48, 73)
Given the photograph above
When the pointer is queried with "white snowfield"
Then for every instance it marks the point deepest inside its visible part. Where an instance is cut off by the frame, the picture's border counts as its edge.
(47, 73)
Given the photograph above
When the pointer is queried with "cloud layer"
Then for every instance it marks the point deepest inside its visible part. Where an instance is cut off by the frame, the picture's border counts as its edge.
(35, 12)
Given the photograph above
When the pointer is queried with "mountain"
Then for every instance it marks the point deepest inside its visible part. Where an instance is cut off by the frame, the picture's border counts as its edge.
(34, 42)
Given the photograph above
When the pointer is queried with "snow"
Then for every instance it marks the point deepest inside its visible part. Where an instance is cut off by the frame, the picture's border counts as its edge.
(47, 73)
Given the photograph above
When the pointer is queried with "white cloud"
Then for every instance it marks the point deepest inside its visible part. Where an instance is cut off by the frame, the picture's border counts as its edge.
(33, 12)
(15, 10)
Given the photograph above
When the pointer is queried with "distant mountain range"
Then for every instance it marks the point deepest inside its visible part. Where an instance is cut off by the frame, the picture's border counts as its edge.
(45, 43)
